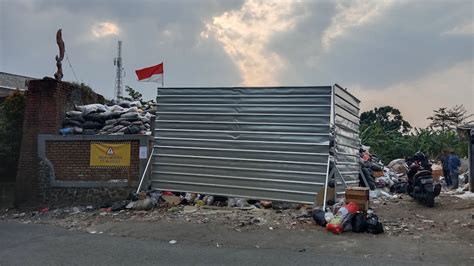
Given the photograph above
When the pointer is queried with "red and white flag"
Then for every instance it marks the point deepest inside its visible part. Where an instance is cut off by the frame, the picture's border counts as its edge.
(150, 74)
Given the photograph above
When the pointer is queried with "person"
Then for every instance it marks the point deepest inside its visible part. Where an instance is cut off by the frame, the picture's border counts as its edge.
(445, 161)
(454, 164)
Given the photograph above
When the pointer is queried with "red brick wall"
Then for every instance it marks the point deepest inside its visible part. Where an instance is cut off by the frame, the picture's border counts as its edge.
(46, 103)
(71, 161)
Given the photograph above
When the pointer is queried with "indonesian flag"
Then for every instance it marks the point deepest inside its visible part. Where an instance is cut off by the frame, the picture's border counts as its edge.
(150, 74)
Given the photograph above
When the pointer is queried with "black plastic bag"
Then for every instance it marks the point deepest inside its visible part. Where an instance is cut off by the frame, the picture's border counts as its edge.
(359, 223)
(318, 216)
(373, 224)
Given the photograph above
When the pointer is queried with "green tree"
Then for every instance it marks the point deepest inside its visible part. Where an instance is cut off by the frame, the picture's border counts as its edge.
(134, 95)
(388, 117)
(448, 119)
(11, 128)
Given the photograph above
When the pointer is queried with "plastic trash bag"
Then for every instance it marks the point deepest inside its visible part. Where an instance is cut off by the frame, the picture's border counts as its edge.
(319, 217)
(359, 223)
(373, 224)
(342, 218)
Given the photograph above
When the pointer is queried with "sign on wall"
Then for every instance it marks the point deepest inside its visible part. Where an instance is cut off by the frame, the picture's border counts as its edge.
(110, 154)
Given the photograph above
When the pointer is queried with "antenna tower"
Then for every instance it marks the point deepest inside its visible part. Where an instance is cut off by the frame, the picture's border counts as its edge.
(119, 73)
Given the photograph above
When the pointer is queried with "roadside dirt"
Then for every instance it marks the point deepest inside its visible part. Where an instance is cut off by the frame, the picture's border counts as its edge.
(452, 218)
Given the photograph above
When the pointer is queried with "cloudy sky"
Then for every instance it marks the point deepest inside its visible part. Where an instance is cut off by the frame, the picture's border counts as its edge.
(414, 55)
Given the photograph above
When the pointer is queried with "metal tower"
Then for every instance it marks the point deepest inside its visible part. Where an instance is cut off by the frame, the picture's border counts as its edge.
(119, 73)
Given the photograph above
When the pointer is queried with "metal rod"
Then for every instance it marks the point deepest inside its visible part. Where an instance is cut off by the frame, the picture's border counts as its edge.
(250, 114)
(239, 168)
(145, 171)
(239, 150)
(245, 96)
(241, 123)
(238, 187)
(247, 141)
(243, 132)
(326, 185)
(236, 159)
(241, 177)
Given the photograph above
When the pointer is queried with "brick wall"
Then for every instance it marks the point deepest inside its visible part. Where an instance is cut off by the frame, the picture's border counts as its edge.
(47, 100)
(71, 161)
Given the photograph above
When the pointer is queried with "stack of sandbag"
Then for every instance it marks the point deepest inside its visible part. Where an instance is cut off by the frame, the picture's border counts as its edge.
(92, 119)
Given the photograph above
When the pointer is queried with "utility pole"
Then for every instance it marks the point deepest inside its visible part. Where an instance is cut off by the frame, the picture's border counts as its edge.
(119, 73)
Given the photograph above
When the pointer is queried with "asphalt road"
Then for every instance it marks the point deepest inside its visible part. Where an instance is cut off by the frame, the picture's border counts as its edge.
(32, 244)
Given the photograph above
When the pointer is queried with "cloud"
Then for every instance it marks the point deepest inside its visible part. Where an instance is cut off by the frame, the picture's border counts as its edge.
(463, 29)
(352, 14)
(418, 98)
(104, 29)
(245, 33)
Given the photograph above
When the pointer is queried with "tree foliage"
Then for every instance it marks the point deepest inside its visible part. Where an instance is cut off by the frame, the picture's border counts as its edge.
(389, 145)
(388, 117)
(11, 128)
(448, 119)
(134, 95)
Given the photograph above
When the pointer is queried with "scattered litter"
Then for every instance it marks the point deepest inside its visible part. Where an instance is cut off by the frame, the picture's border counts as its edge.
(173, 242)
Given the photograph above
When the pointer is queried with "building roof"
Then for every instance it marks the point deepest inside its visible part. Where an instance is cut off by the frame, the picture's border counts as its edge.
(11, 82)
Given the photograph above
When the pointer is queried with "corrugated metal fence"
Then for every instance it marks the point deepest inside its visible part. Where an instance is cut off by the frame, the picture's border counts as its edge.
(267, 143)
(346, 128)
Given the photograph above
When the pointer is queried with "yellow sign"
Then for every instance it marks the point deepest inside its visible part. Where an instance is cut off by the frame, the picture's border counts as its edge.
(110, 154)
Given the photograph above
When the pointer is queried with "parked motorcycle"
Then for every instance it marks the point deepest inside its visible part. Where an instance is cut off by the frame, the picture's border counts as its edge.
(421, 185)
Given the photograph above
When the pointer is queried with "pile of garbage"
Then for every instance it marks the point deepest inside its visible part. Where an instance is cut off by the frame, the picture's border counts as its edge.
(99, 119)
(382, 180)
(153, 198)
(343, 217)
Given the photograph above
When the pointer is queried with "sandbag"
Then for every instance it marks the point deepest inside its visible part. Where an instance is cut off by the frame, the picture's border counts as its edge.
(111, 122)
(73, 113)
(125, 123)
(129, 115)
(107, 127)
(77, 130)
(132, 129)
(124, 104)
(71, 123)
(91, 108)
(89, 132)
(92, 125)
(136, 104)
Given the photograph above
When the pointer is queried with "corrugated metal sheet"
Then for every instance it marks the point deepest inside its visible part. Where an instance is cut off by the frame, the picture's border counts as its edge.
(346, 128)
(268, 143)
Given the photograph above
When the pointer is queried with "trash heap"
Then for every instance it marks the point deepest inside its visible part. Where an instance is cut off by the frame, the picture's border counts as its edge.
(348, 217)
(99, 119)
(153, 198)
(382, 179)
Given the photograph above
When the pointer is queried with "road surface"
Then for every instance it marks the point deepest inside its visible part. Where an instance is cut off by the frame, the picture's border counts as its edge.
(148, 244)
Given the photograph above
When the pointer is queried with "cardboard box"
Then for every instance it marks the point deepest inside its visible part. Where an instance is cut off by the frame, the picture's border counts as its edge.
(377, 173)
(358, 195)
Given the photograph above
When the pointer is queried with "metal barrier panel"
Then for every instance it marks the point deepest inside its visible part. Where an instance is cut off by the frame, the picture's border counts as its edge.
(263, 143)
(346, 131)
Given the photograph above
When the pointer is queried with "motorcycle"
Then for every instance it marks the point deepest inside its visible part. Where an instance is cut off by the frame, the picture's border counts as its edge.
(421, 185)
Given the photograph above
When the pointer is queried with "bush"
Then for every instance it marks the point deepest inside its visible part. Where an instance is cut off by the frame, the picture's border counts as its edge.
(11, 129)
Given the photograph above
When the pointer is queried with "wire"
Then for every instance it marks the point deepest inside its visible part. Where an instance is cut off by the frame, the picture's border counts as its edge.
(70, 65)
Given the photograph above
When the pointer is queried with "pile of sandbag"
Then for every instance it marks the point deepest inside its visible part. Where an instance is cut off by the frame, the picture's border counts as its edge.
(99, 119)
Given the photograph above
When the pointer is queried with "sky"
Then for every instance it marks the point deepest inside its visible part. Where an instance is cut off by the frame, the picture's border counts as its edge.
(416, 56)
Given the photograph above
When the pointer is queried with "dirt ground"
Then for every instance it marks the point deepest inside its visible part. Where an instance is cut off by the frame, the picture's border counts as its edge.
(452, 218)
